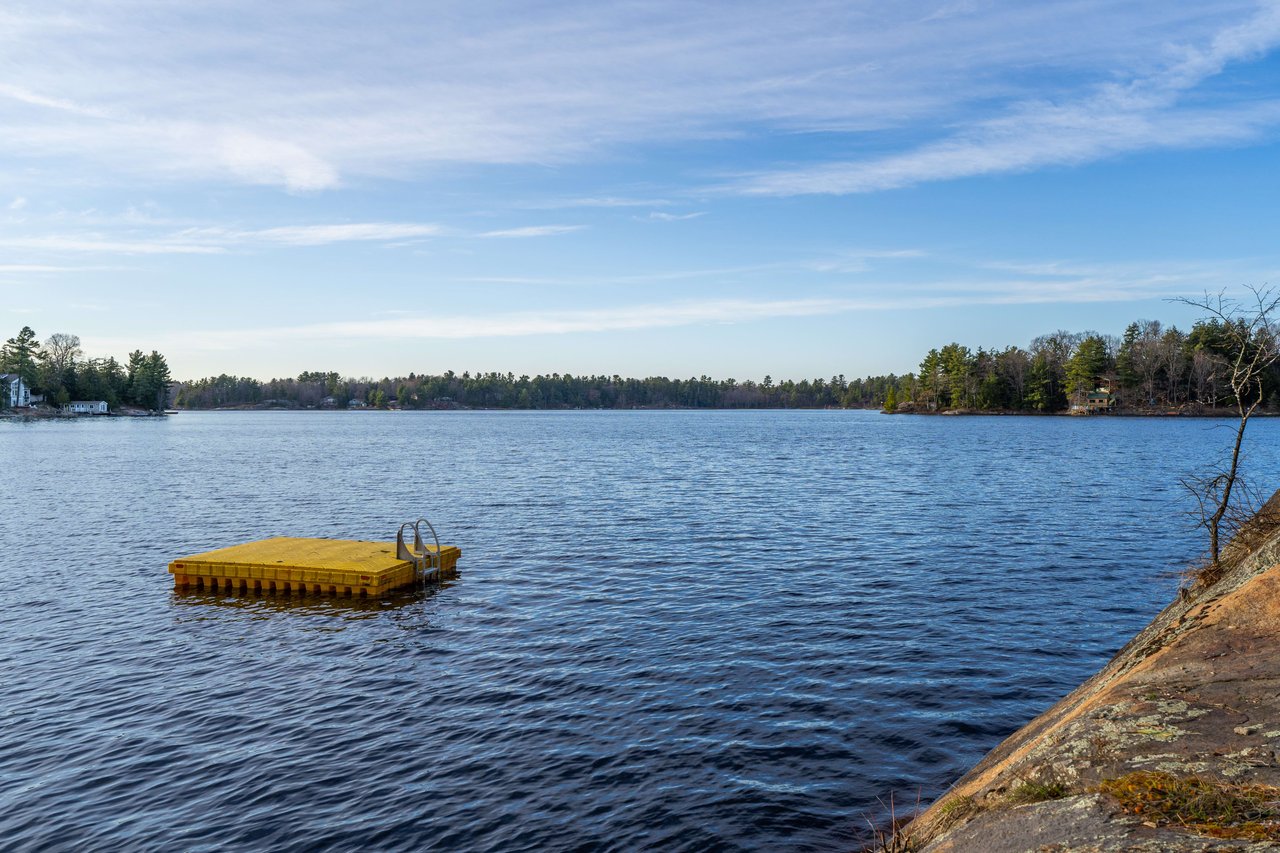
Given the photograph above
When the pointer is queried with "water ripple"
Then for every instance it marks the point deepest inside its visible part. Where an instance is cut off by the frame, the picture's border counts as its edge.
(672, 630)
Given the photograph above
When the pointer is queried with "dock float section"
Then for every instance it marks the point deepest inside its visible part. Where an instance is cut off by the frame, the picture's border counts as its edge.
(313, 566)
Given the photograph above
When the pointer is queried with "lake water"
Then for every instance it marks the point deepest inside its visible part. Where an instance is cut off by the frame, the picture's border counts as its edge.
(671, 630)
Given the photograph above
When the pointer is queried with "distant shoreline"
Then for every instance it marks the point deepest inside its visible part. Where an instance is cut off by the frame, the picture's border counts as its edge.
(1208, 414)
(45, 414)
(1214, 414)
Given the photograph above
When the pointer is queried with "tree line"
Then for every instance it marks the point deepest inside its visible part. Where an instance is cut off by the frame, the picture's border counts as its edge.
(1150, 367)
(58, 370)
(317, 389)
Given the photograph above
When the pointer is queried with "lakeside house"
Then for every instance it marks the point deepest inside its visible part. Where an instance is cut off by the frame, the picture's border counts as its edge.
(1099, 401)
(16, 393)
(87, 407)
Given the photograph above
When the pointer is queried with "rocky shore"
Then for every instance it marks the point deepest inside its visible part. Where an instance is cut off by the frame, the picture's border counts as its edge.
(1171, 747)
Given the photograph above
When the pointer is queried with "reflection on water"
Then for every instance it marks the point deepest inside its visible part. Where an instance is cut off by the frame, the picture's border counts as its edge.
(673, 630)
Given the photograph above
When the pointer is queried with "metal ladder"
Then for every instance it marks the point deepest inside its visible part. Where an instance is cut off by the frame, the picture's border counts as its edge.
(426, 564)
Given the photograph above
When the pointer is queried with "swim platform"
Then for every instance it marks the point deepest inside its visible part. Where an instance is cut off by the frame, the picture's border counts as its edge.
(289, 565)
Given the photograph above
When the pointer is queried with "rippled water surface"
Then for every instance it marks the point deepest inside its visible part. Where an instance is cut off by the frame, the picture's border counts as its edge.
(671, 630)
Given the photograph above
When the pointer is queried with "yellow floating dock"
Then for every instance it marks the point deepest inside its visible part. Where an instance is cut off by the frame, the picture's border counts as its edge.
(314, 566)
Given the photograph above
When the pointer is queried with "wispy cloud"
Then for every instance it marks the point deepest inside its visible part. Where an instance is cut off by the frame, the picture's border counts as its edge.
(108, 246)
(24, 96)
(219, 239)
(42, 268)
(260, 159)
(1101, 285)
(661, 216)
(597, 201)
(319, 235)
(211, 241)
(849, 261)
(533, 231)
(18, 203)
(520, 324)
(308, 99)
(1114, 118)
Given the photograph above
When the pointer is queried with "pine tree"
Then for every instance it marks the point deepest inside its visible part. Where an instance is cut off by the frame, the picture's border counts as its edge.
(134, 391)
(157, 378)
(956, 365)
(931, 375)
(21, 355)
(1125, 370)
(891, 401)
(1085, 366)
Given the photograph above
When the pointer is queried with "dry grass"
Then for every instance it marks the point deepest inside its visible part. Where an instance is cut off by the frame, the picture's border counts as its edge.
(1250, 533)
(895, 840)
(892, 836)
(1248, 525)
(1203, 806)
(957, 809)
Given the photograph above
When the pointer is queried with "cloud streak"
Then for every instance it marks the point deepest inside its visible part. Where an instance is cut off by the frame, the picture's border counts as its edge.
(1098, 287)
(660, 216)
(219, 240)
(532, 231)
(62, 243)
(320, 235)
(308, 99)
(1113, 119)
(41, 268)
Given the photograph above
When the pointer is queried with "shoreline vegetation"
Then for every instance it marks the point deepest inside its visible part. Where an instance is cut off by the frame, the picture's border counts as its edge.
(49, 413)
(48, 377)
(1207, 414)
(1150, 371)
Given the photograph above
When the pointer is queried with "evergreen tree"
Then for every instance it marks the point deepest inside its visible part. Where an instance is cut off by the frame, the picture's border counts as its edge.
(1041, 394)
(1126, 373)
(1089, 362)
(956, 363)
(156, 385)
(931, 379)
(21, 354)
(135, 392)
(891, 401)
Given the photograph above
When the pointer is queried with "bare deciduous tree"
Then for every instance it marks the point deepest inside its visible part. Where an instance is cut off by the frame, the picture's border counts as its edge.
(1249, 345)
(61, 351)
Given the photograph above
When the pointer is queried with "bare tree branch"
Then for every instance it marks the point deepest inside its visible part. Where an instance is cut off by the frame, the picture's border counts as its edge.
(1249, 340)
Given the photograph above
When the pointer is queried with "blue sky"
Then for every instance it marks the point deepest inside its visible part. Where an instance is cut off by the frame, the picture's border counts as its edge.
(733, 189)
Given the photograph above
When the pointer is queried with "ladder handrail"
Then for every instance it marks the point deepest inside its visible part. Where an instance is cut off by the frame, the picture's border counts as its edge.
(423, 559)
(435, 560)
(412, 552)
(434, 535)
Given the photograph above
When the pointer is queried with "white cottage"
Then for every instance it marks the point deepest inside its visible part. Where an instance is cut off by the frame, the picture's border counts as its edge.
(87, 407)
(15, 392)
